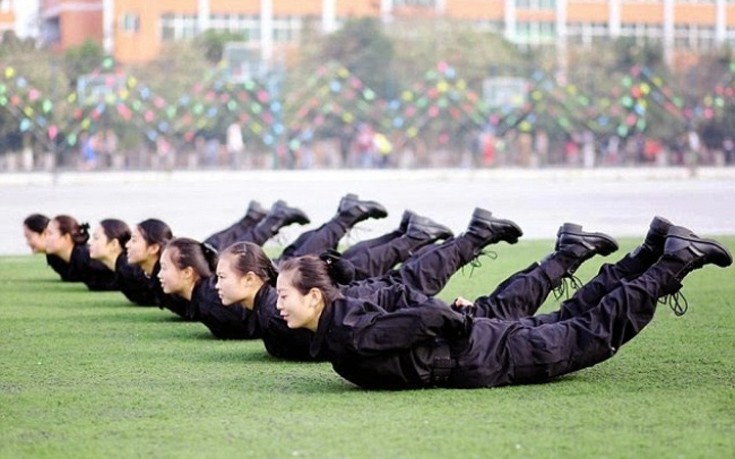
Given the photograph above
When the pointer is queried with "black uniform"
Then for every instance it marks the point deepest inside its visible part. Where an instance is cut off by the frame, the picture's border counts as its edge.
(225, 322)
(173, 303)
(93, 273)
(133, 283)
(431, 345)
(239, 231)
(60, 267)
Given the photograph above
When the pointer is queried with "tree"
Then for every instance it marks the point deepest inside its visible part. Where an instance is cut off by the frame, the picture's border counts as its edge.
(82, 59)
(362, 46)
(212, 43)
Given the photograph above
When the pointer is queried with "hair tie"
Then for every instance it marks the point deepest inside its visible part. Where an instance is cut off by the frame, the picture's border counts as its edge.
(208, 249)
(84, 227)
(340, 271)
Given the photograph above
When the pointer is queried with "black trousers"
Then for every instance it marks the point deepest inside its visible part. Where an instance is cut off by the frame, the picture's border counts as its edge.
(373, 257)
(604, 314)
(242, 230)
(426, 272)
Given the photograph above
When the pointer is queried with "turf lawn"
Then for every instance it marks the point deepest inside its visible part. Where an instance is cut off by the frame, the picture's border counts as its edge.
(86, 374)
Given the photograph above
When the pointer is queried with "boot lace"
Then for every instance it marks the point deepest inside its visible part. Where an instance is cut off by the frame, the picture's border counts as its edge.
(475, 263)
(677, 302)
(567, 285)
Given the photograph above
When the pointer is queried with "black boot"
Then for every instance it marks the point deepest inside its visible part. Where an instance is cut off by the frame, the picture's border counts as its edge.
(575, 246)
(656, 236)
(255, 212)
(424, 228)
(684, 252)
(405, 219)
(282, 215)
(352, 210)
(653, 246)
(491, 230)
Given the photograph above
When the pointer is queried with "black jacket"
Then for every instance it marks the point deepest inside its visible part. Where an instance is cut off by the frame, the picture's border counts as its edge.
(95, 275)
(374, 348)
(225, 322)
(133, 283)
(279, 340)
(173, 303)
(60, 267)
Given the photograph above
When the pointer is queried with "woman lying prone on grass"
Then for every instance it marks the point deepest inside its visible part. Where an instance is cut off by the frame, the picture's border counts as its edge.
(35, 230)
(67, 240)
(374, 345)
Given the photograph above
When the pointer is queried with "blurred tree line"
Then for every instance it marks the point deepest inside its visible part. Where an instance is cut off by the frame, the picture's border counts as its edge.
(388, 59)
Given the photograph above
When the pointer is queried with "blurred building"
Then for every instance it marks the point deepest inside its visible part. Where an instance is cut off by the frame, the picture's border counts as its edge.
(135, 30)
(19, 16)
(66, 23)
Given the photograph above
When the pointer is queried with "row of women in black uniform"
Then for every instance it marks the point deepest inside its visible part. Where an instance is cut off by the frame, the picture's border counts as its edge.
(379, 326)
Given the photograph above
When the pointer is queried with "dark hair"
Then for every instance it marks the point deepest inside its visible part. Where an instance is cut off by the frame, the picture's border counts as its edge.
(116, 229)
(186, 252)
(154, 231)
(69, 225)
(309, 272)
(250, 257)
(36, 223)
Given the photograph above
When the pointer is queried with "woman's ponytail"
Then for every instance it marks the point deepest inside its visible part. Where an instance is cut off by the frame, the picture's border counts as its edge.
(341, 271)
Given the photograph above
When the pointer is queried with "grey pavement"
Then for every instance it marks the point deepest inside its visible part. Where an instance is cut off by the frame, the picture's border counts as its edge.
(620, 202)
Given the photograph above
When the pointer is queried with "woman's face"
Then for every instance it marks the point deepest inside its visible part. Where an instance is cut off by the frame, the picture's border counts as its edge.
(36, 241)
(173, 280)
(232, 286)
(137, 247)
(56, 242)
(99, 246)
(299, 311)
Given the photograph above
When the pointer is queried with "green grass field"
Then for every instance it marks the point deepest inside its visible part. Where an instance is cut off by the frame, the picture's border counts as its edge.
(88, 375)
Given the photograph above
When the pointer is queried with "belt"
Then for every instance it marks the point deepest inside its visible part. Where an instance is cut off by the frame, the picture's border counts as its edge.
(442, 364)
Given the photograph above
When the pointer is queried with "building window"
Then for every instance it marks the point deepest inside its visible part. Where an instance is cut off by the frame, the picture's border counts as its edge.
(536, 4)
(247, 25)
(286, 29)
(51, 31)
(689, 36)
(587, 33)
(130, 23)
(178, 26)
(535, 33)
(642, 33)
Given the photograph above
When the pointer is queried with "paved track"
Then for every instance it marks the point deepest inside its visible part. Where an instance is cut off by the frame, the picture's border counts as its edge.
(618, 201)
